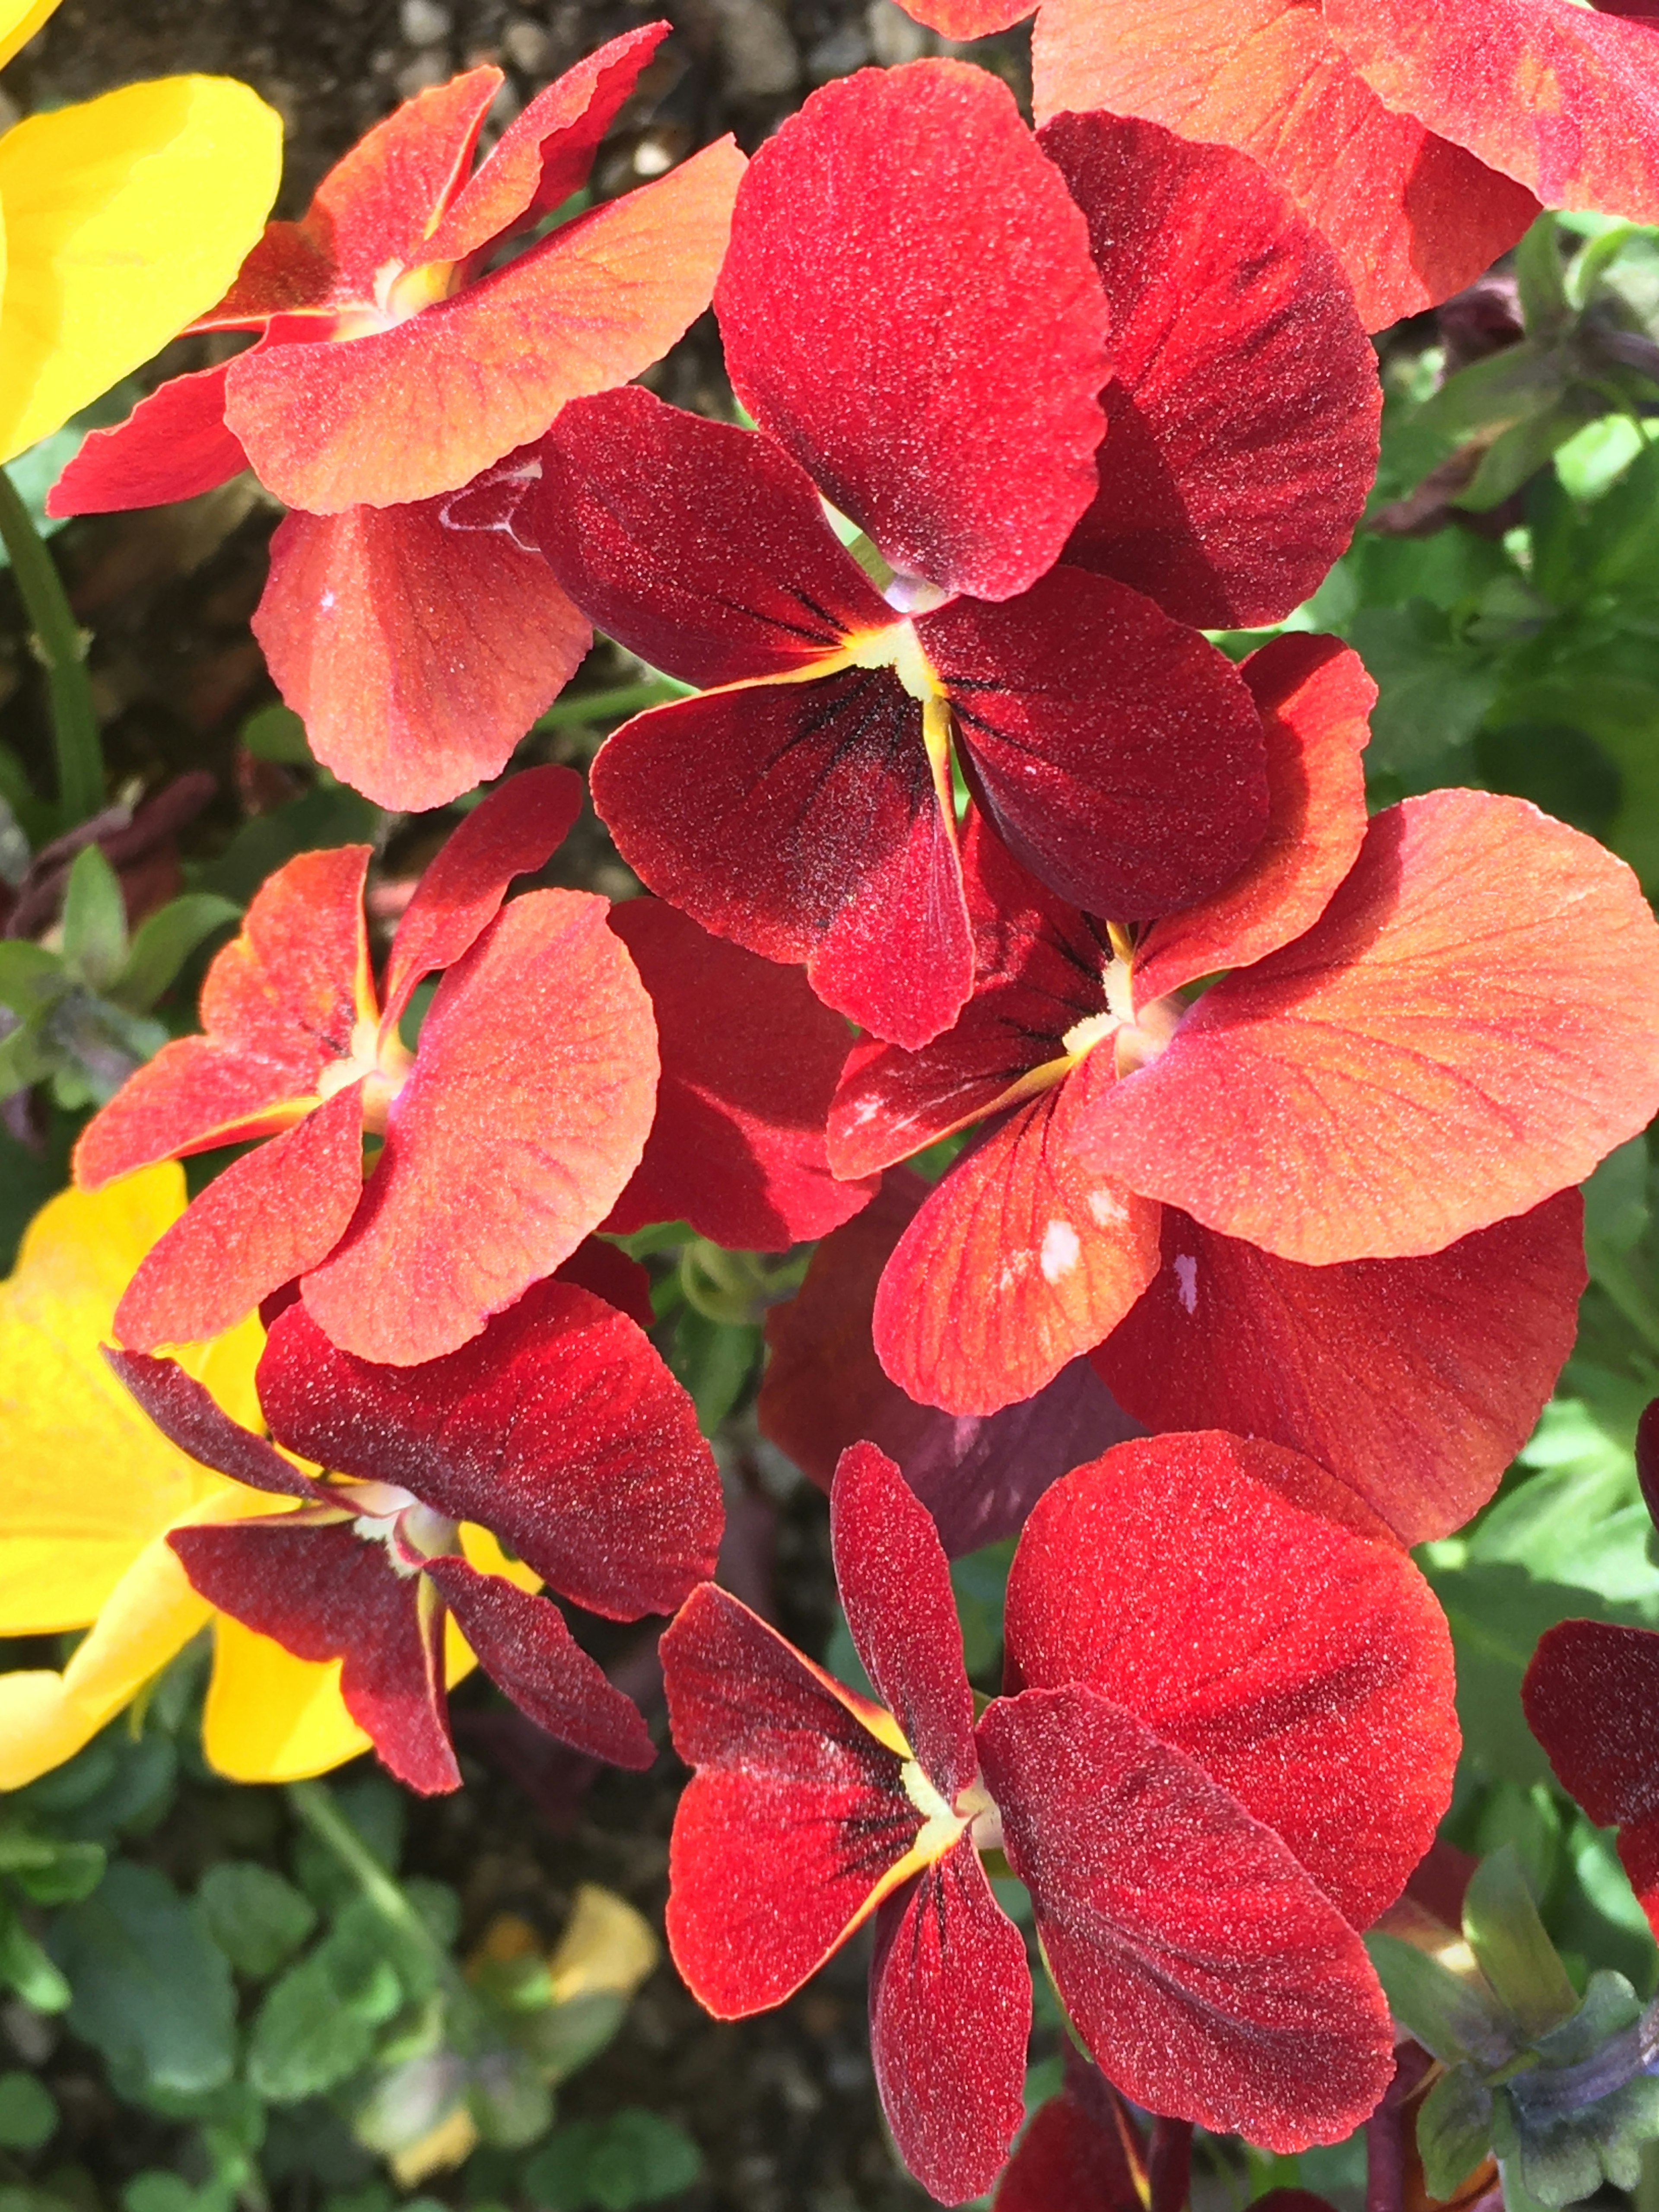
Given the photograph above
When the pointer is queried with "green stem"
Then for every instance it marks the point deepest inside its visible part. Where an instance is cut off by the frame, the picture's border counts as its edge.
(612, 705)
(319, 1813)
(63, 653)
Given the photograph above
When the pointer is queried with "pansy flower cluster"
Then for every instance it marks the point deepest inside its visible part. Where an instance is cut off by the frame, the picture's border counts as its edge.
(1257, 1245)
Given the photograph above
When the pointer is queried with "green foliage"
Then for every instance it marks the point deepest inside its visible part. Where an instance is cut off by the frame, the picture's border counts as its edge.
(28, 2113)
(256, 1919)
(635, 2157)
(150, 1990)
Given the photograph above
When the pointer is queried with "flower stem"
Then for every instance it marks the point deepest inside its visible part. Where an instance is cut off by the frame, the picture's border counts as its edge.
(57, 641)
(312, 1801)
(611, 706)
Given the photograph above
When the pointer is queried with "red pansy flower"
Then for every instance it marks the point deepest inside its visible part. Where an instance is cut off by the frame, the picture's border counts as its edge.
(509, 1132)
(1420, 140)
(1081, 2151)
(1226, 1737)
(1349, 1149)
(400, 355)
(558, 1430)
(930, 317)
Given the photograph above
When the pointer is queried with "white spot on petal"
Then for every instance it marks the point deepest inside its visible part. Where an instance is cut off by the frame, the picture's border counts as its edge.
(1107, 1209)
(1059, 1250)
(1186, 1269)
(327, 601)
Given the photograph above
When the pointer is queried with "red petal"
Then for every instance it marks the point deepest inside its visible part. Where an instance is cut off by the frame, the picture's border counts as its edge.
(610, 1274)
(1337, 1102)
(895, 1584)
(1314, 697)
(795, 1825)
(1412, 218)
(558, 1429)
(1591, 1696)
(750, 1063)
(967, 19)
(174, 445)
(545, 153)
(416, 656)
(909, 306)
(1239, 1603)
(188, 1416)
(1207, 1974)
(701, 547)
(1243, 410)
(527, 1113)
(268, 1216)
(1416, 1382)
(1073, 2153)
(279, 1006)
(1564, 100)
(524, 1646)
(516, 829)
(323, 1593)
(950, 2015)
(404, 414)
(1118, 753)
(1019, 1261)
(824, 1389)
(800, 820)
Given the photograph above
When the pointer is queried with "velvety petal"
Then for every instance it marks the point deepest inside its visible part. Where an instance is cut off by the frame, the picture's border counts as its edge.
(968, 19)
(1119, 754)
(174, 445)
(524, 1646)
(610, 1274)
(701, 547)
(1564, 100)
(894, 1585)
(279, 1007)
(270, 1216)
(1209, 1976)
(1020, 1261)
(910, 307)
(795, 1824)
(558, 1428)
(1314, 697)
(1415, 1381)
(404, 414)
(1239, 1603)
(950, 2016)
(824, 1389)
(1412, 218)
(1336, 1101)
(801, 821)
(1073, 2152)
(189, 1416)
(1244, 404)
(1591, 1696)
(750, 1062)
(515, 830)
(322, 1592)
(527, 1113)
(416, 656)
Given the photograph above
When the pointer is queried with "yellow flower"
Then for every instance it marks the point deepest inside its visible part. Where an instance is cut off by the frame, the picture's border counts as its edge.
(121, 219)
(89, 1491)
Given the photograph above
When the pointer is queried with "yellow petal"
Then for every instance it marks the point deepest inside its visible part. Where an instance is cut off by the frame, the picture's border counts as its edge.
(89, 1481)
(607, 1948)
(126, 217)
(40, 1727)
(452, 2142)
(19, 22)
(270, 1717)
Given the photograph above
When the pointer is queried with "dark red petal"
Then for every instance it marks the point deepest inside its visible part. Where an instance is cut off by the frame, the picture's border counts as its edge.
(950, 2016)
(1314, 697)
(1074, 2154)
(174, 445)
(270, 1216)
(324, 1593)
(610, 1274)
(750, 1062)
(1209, 1976)
(1238, 1602)
(1245, 405)
(188, 1416)
(702, 547)
(416, 656)
(895, 1588)
(1415, 1381)
(516, 829)
(800, 820)
(1647, 1457)
(796, 1822)
(824, 1389)
(1119, 754)
(559, 1429)
(1591, 1697)
(909, 306)
(527, 1113)
(524, 1646)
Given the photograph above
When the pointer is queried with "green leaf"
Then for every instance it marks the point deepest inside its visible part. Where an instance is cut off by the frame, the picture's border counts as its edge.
(1434, 689)
(28, 2115)
(151, 1992)
(277, 733)
(94, 919)
(1454, 2130)
(258, 1920)
(303, 2040)
(163, 944)
(1541, 276)
(25, 1967)
(159, 2192)
(635, 2157)
(511, 2105)
(68, 1873)
(31, 977)
(1503, 1928)
(1451, 2014)
(24, 1061)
